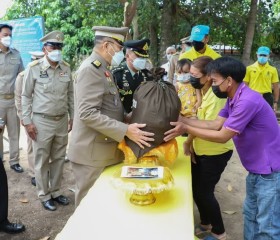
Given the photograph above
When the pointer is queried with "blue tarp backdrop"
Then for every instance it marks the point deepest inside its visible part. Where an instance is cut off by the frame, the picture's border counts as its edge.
(26, 34)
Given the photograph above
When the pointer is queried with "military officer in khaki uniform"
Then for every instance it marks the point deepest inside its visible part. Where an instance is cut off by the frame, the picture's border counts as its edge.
(18, 90)
(10, 66)
(99, 113)
(47, 99)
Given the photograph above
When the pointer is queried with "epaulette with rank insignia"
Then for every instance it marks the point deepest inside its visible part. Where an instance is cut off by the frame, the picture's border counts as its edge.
(96, 63)
(33, 63)
(66, 63)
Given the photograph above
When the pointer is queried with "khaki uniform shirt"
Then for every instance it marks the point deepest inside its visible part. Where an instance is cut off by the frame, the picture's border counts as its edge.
(10, 66)
(47, 90)
(99, 113)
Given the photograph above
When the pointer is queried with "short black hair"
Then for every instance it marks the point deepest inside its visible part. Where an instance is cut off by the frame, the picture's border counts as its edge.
(5, 26)
(228, 67)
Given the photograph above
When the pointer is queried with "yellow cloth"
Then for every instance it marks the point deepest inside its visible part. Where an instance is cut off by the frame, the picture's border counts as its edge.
(261, 77)
(187, 95)
(106, 213)
(165, 154)
(209, 110)
(192, 54)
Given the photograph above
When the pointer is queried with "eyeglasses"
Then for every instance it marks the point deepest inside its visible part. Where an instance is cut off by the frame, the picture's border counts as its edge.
(263, 55)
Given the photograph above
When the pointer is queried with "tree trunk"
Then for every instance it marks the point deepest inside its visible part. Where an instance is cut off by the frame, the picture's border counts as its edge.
(153, 51)
(250, 32)
(135, 27)
(168, 26)
(129, 13)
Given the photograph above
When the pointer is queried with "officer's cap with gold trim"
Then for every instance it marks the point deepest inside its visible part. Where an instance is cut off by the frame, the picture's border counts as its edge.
(139, 47)
(53, 37)
(117, 34)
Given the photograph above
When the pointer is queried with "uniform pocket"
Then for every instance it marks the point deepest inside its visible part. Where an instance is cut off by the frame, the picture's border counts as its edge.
(43, 84)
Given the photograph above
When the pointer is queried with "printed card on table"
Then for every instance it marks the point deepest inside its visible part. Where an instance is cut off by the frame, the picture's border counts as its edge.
(142, 172)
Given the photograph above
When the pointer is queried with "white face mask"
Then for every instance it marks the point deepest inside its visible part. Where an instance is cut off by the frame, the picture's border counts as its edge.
(6, 41)
(139, 63)
(169, 56)
(184, 78)
(55, 55)
(117, 58)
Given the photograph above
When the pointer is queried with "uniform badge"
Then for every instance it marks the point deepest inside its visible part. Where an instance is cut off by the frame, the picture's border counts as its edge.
(63, 74)
(96, 63)
(43, 74)
(107, 75)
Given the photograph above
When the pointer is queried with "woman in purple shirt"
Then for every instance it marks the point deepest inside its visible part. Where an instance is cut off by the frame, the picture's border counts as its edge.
(250, 121)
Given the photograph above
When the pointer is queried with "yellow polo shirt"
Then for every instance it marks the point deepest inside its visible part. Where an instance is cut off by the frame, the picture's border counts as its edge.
(209, 110)
(260, 77)
(192, 54)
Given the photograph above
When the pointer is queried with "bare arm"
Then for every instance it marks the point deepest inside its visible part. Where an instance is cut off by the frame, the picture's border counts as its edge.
(205, 124)
(275, 87)
(221, 136)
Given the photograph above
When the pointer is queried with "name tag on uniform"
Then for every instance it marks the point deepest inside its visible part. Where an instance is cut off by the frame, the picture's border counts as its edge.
(63, 74)
(44, 74)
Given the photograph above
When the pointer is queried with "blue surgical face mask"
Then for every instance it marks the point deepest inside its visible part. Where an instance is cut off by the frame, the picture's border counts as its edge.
(188, 48)
(262, 60)
(184, 78)
(117, 58)
(139, 63)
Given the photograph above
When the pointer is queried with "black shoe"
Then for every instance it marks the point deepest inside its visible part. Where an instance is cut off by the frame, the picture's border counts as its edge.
(8, 227)
(49, 205)
(33, 181)
(17, 168)
(62, 200)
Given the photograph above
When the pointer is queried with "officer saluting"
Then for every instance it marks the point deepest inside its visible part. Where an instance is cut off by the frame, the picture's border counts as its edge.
(47, 99)
(133, 71)
(99, 113)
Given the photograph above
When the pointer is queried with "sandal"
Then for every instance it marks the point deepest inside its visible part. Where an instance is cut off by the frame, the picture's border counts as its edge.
(211, 237)
(200, 229)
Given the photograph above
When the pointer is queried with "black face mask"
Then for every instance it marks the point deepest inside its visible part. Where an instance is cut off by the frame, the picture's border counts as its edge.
(195, 82)
(217, 91)
(198, 45)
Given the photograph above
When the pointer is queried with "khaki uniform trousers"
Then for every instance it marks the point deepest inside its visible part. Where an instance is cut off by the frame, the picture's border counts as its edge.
(9, 115)
(30, 156)
(49, 153)
(85, 177)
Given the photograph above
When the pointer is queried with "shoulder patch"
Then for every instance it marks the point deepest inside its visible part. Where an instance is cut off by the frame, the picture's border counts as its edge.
(96, 63)
(66, 63)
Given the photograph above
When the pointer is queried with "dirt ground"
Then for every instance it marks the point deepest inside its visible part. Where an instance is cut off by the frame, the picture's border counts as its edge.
(41, 223)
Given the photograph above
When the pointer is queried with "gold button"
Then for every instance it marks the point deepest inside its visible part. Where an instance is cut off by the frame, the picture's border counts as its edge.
(106, 139)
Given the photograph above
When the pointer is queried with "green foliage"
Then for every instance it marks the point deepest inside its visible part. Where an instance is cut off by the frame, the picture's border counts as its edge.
(227, 20)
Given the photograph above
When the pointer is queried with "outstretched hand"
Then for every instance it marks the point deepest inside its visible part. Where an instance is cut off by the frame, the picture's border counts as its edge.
(179, 129)
(141, 138)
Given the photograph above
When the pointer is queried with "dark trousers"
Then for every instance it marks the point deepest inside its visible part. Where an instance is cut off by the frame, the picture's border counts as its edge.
(269, 98)
(206, 174)
(3, 193)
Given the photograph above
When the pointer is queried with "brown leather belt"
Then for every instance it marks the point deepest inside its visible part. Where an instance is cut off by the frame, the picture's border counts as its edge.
(56, 118)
